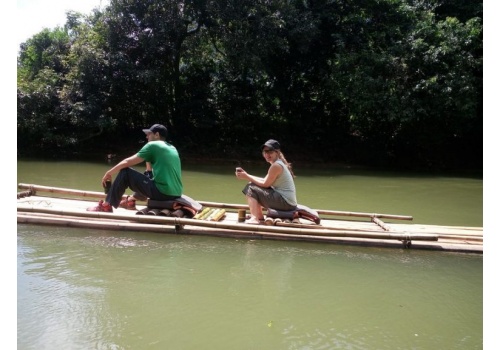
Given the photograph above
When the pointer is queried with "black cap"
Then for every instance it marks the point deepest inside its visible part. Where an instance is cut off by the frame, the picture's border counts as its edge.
(272, 144)
(157, 128)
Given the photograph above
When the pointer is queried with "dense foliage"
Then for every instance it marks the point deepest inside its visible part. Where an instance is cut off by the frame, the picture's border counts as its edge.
(377, 82)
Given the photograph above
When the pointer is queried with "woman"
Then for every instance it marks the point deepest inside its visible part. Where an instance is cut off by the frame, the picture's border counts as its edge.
(276, 190)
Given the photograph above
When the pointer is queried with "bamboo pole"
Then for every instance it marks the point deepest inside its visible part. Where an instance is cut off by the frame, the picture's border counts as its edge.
(212, 214)
(443, 232)
(127, 226)
(363, 215)
(453, 232)
(459, 237)
(201, 213)
(224, 205)
(229, 226)
(319, 211)
(381, 223)
(61, 190)
(207, 214)
(315, 227)
(219, 215)
(446, 236)
(40, 218)
(211, 204)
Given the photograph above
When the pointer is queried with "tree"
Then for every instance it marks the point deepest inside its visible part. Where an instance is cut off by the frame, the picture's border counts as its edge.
(381, 82)
(40, 76)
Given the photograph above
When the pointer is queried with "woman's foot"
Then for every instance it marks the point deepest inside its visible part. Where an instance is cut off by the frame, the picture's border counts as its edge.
(253, 221)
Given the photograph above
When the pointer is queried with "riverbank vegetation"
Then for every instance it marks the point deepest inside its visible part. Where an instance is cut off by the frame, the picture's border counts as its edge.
(379, 82)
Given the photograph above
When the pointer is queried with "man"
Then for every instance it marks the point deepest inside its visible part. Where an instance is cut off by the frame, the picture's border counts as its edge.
(166, 183)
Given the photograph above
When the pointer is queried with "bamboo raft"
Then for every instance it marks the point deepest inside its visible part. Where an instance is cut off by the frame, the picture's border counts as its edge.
(67, 207)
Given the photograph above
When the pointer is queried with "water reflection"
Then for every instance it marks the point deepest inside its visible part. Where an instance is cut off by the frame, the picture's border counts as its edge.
(128, 290)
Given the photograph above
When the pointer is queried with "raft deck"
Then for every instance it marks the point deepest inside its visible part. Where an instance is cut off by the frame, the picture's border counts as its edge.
(67, 207)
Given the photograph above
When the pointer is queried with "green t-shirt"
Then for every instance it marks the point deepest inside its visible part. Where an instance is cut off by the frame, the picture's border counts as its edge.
(166, 165)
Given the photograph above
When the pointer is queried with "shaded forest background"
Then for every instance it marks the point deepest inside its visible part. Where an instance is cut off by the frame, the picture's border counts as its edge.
(392, 83)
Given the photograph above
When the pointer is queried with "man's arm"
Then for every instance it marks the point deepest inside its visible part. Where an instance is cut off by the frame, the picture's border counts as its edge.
(126, 163)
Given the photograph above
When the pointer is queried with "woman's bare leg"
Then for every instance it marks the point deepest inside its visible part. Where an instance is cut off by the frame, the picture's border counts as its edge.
(255, 208)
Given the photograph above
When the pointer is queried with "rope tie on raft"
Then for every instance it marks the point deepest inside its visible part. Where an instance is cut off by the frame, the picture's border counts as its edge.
(28, 193)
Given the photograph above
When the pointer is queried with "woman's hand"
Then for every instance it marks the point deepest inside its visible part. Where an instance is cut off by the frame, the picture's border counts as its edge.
(240, 173)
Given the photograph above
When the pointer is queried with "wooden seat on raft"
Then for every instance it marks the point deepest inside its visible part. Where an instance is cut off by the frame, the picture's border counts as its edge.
(301, 212)
(184, 206)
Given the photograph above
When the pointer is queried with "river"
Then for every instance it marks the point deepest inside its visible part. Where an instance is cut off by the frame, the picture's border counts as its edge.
(89, 289)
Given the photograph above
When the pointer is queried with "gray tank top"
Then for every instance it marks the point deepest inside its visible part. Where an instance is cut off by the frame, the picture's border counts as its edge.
(285, 185)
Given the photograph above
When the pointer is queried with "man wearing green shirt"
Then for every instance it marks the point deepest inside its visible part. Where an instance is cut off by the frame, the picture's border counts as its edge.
(166, 183)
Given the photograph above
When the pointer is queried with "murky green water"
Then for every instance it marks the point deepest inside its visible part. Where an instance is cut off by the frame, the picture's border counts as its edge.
(88, 289)
(442, 200)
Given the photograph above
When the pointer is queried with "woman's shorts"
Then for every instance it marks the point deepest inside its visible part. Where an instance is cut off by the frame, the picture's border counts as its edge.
(267, 197)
